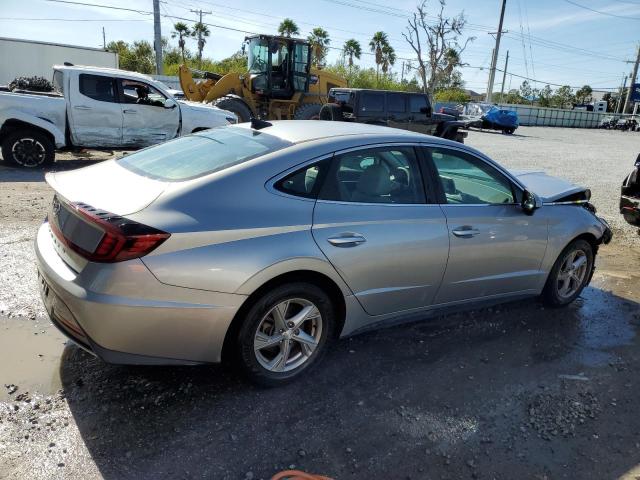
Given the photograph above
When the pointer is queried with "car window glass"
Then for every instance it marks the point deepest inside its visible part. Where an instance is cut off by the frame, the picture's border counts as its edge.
(304, 182)
(376, 175)
(141, 93)
(418, 103)
(468, 180)
(396, 102)
(97, 87)
(372, 102)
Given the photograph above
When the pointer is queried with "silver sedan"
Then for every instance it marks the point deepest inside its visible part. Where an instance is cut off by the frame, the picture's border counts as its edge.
(265, 242)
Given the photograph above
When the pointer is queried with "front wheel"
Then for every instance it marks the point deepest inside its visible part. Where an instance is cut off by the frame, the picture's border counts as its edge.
(28, 149)
(285, 333)
(569, 275)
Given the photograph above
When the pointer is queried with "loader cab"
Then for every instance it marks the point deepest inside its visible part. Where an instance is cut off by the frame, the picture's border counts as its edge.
(278, 66)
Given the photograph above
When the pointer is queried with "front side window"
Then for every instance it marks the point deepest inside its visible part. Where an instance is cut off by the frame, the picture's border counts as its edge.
(141, 93)
(375, 175)
(469, 180)
(201, 153)
(372, 102)
(418, 104)
(98, 87)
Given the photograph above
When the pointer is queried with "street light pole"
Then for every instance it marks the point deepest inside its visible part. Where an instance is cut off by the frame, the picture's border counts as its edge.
(157, 36)
(504, 77)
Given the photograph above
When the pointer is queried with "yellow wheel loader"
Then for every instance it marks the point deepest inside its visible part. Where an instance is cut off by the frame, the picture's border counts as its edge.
(280, 83)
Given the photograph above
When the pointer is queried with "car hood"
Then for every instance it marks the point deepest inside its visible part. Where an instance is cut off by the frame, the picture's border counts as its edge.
(107, 186)
(205, 108)
(548, 188)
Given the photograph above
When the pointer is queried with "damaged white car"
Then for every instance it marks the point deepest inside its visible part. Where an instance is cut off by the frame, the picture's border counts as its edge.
(96, 108)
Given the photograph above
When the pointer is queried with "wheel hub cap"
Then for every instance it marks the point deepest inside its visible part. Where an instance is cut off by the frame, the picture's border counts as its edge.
(28, 152)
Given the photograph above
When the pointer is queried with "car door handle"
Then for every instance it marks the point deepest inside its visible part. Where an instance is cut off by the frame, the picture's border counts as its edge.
(129, 111)
(465, 232)
(81, 107)
(346, 240)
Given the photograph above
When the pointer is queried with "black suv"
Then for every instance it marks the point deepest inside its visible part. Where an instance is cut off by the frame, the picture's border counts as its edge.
(405, 110)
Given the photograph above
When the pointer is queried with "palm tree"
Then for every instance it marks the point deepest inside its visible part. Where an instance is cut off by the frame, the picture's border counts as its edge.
(319, 41)
(288, 27)
(352, 49)
(378, 41)
(201, 32)
(181, 30)
(388, 58)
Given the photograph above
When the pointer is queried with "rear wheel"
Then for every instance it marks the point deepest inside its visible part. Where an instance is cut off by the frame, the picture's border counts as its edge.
(28, 149)
(332, 112)
(509, 131)
(569, 274)
(285, 333)
(235, 105)
(308, 111)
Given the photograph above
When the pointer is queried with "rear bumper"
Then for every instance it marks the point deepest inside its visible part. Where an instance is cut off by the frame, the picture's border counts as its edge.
(123, 314)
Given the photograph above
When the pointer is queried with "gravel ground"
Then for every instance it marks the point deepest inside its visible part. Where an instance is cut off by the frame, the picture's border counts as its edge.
(515, 391)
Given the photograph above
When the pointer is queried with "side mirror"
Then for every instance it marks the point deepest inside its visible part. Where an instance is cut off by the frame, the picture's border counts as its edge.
(170, 103)
(530, 202)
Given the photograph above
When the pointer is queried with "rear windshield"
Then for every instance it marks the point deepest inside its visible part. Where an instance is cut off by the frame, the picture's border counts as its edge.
(202, 153)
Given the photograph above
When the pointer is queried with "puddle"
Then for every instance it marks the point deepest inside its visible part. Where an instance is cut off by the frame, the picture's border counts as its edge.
(29, 361)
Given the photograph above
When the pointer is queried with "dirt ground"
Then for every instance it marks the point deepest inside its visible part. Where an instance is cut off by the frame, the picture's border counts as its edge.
(515, 391)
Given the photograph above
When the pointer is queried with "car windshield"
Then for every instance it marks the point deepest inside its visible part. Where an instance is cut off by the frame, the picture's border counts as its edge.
(200, 154)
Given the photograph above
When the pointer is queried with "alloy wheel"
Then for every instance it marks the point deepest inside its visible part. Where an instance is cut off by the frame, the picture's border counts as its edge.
(572, 273)
(288, 335)
(28, 152)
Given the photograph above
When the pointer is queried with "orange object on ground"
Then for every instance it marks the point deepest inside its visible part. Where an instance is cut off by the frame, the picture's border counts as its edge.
(297, 475)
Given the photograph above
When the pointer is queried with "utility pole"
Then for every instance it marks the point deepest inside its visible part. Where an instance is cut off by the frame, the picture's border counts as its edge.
(104, 39)
(504, 77)
(200, 46)
(619, 100)
(157, 36)
(632, 83)
(496, 50)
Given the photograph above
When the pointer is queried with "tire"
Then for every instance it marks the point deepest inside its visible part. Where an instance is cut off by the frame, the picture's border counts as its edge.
(331, 112)
(235, 105)
(459, 137)
(508, 131)
(28, 149)
(551, 295)
(308, 111)
(264, 366)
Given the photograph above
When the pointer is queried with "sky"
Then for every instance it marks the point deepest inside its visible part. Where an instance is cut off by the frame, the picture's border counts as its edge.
(564, 42)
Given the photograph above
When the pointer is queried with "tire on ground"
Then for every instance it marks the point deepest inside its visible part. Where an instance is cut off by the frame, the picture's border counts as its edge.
(40, 141)
(332, 112)
(245, 351)
(235, 105)
(550, 295)
(308, 111)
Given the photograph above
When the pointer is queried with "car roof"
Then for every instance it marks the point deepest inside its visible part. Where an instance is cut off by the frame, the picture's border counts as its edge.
(108, 71)
(298, 131)
(349, 89)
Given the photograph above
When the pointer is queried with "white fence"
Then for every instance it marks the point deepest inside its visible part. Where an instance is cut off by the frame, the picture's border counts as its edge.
(557, 117)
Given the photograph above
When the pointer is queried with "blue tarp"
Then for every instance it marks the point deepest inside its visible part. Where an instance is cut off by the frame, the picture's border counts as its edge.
(502, 118)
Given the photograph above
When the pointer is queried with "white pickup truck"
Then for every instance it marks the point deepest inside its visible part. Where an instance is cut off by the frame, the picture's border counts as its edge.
(96, 108)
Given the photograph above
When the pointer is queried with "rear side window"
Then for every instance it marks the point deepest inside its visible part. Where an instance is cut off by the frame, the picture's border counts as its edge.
(97, 87)
(305, 182)
(372, 102)
(200, 154)
(418, 103)
(396, 103)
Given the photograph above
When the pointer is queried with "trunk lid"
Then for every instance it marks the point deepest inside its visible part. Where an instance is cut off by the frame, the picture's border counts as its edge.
(107, 186)
(548, 188)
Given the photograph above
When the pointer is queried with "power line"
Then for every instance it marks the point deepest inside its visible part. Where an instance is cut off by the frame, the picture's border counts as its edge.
(76, 19)
(601, 12)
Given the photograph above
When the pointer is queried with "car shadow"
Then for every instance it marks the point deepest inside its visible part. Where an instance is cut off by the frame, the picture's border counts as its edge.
(373, 405)
(498, 132)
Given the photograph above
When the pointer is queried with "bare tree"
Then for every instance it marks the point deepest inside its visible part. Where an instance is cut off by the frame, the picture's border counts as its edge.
(434, 42)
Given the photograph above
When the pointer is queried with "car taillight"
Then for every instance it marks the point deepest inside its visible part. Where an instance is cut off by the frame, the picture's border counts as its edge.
(122, 239)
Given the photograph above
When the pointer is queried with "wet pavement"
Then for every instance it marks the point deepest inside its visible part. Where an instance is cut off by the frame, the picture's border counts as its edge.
(513, 391)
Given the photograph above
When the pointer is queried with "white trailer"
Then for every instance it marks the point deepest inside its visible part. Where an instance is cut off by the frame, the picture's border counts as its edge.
(31, 58)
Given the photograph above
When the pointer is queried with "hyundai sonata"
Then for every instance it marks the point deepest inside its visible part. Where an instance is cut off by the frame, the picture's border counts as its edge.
(263, 242)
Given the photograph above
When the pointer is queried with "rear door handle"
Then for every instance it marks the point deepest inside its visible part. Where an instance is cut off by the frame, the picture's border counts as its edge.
(465, 232)
(129, 111)
(346, 240)
(81, 107)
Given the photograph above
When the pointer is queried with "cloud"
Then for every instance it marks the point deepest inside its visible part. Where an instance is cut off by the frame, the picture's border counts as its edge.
(577, 16)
